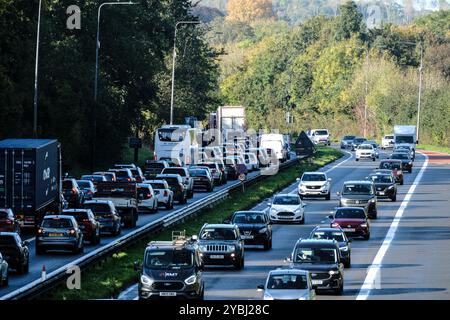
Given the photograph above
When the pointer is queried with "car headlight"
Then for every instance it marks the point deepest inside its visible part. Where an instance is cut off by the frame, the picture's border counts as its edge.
(302, 298)
(345, 249)
(267, 296)
(273, 211)
(145, 280)
(263, 230)
(202, 248)
(191, 280)
(343, 200)
(331, 272)
(372, 200)
(363, 225)
(231, 248)
(391, 187)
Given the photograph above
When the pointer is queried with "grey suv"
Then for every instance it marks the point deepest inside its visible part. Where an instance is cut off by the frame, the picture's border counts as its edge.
(359, 194)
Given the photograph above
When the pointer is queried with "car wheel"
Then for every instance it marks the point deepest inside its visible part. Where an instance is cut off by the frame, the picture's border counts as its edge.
(373, 159)
(301, 197)
(410, 170)
(394, 198)
(202, 294)
(374, 215)
(302, 221)
(328, 197)
(401, 182)
(367, 236)
(348, 263)
(357, 159)
(268, 244)
(339, 291)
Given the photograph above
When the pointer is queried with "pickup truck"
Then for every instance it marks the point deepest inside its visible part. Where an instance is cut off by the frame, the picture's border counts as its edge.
(124, 196)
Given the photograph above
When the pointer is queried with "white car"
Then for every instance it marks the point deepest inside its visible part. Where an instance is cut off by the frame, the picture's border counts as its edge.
(365, 151)
(314, 184)
(320, 136)
(162, 192)
(252, 160)
(147, 198)
(3, 272)
(375, 147)
(287, 208)
(288, 284)
(387, 141)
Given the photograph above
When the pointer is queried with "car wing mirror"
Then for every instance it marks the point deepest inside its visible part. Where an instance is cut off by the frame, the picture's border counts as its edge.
(330, 217)
(338, 193)
(194, 237)
(288, 259)
(137, 266)
(350, 240)
(329, 179)
(298, 179)
(260, 287)
(26, 243)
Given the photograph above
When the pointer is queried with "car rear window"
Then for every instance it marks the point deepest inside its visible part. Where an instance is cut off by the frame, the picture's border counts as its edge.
(84, 184)
(3, 215)
(321, 132)
(171, 181)
(350, 214)
(98, 207)
(6, 240)
(57, 223)
(198, 173)
(179, 171)
(67, 184)
(77, 215)
(155, 165)
(158, 185)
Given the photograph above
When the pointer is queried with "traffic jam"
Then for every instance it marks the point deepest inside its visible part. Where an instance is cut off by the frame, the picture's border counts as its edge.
(80, 212)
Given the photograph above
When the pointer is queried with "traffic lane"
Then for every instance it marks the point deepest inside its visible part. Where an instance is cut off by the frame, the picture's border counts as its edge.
(54, 260)
(218, 285)
(421, 247)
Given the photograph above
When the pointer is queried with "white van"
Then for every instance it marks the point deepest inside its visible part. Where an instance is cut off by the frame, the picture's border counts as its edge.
(275, 142)
(320, 136)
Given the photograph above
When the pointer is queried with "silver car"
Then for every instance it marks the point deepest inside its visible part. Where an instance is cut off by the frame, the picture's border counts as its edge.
(3, 272)
(288, 284)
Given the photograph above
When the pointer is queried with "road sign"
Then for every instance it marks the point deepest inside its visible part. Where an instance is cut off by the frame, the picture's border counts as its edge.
(135, 143)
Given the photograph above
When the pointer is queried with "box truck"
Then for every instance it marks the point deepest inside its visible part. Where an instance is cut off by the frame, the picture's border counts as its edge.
(30, 178)
(406, 135)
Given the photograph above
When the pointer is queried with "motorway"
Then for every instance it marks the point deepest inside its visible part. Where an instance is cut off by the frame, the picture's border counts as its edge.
(55, 260)
(407, 256)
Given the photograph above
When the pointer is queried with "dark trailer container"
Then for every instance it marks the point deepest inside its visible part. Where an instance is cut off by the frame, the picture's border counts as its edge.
(30, 175)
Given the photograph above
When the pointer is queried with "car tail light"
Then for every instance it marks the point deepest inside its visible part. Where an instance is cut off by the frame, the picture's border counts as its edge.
(335, 225)
(8, 221)
(128, 179)
(86, 220)
(74, 190)
(148, 196)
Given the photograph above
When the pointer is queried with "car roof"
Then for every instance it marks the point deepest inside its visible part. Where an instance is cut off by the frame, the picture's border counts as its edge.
(249, 212)
(352, 208)
(377, 173)
(76, 210)
(286, 195)
(314, 172)
(357, 182)
(59, 216)
(12, 234)
(109, 202)
(288, 271)
(220, 225)
(316, 243)
(327, 229)
(168, 175)
(155, 181)
(391, 160)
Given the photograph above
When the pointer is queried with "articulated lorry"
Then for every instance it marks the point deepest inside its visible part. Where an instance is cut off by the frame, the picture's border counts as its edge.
(30, 178)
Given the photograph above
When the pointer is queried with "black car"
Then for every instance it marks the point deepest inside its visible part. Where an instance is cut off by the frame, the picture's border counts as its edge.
(407, 162)
(15, 251)
(385, 186)
(347, 141)
(221, 244)
(202, 178)
(171, 269)
(87, 222)
(356, 142)
(59, 232)
(154, 167)
(325, 233)
(216, 172)
(359, 194)
(255, 227)
(175, 182)
(396, 168)
(106, 214)
(322, 259)
(72, 193)
(188, 181)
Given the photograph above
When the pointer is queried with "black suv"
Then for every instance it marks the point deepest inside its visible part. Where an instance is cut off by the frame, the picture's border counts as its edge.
(188, 181)
(153, 168)
(15, 251)
(176, 184)
(407, 162)
(385, 186)
(359, 194)
(221, 244)
(255, 227)
(327, 233)
(323, 260)
(72, 193)
(356, 142)
(171, 269)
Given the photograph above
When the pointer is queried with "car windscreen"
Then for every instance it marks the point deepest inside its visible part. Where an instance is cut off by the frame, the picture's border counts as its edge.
(349, 138)
(198, 173)
(83, 184)
(400, 156)
(218, 234)
(286, 200)
(327, 235)
(321, 133)
(78, 215)
(389, 137)
(356, 188)
(67, 184)
(179, 171)
(56, 223)
(249, 218)
(158, 185)
(315, 255)
(365, 147)
(7, 240)
(169, 259)
(349, 213)
(121, 173)
(171, 181)
(313, 177)
(390, 165)
(98, 208)
(287, 282)
(381, 178)
(404, 139)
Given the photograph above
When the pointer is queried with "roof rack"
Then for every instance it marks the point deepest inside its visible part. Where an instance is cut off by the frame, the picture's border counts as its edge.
(178, 239)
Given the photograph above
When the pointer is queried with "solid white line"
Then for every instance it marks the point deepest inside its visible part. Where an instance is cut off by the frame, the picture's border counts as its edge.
(370, 281)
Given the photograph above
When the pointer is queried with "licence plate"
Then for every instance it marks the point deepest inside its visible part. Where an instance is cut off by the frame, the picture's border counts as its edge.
(167, 294)
(381, 193)
(217, 256)
(247, 237)
(349, 229)
(317, 281)
(55, 234)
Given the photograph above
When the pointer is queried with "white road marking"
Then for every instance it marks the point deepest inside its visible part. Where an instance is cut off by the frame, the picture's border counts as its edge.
(374, 269)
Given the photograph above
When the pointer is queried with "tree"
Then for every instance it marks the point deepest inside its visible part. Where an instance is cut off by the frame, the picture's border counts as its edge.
(249, 10)
(349, 22)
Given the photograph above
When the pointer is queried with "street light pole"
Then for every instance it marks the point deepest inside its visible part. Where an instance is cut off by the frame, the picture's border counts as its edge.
(97, 48)
(420, 90)
(174, 54)
(35, 102)
(366, 89)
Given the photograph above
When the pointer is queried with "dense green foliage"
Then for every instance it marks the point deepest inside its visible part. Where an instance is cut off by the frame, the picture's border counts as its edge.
(318, 72)
(135, 63)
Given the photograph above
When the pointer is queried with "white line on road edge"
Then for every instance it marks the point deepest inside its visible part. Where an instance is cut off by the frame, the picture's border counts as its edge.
(374, 269)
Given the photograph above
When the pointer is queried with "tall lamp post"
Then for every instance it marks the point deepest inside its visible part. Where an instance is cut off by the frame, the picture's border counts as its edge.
(35, 102)
(174, 54)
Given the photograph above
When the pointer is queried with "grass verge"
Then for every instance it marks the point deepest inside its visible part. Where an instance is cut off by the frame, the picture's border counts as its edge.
(430, 147)
(109, 278)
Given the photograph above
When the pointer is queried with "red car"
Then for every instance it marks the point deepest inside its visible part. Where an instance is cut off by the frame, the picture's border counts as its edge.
(8, 222)
(87, 223)
(352, 220)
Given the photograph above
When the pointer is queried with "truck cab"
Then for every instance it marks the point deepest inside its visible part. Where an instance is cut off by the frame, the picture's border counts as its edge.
(405, 135)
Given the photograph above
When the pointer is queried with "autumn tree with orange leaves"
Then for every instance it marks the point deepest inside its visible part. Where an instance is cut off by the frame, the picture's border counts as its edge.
(249, 10)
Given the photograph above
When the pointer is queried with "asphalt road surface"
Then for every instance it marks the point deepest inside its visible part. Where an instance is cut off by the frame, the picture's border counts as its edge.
(407, 256)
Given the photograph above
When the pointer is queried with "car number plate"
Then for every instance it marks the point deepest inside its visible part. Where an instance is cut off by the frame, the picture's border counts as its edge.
(349, 229)
(381, 193)
(167, 294)
(217, 256)
(316, 281)
(247, 237)
(55, 234)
